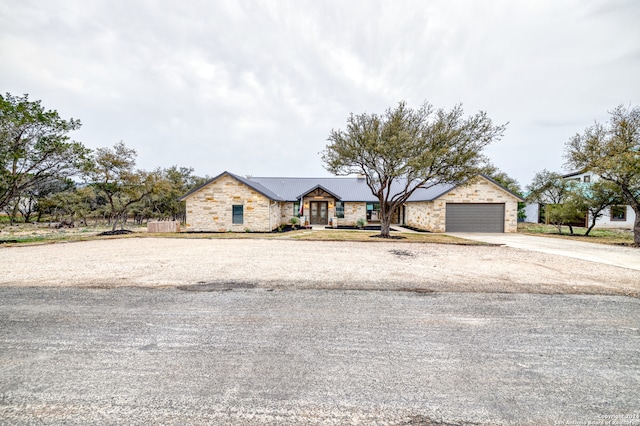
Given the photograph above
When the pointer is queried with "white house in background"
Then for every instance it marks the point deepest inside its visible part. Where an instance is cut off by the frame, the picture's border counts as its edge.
(621, 216)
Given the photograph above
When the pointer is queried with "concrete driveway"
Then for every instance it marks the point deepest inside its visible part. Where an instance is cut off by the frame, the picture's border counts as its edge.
(624, 257)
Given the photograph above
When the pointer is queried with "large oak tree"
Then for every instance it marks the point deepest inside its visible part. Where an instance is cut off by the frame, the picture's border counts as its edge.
(34, 147)
(612, 151)
(405, 149)
(112, 172)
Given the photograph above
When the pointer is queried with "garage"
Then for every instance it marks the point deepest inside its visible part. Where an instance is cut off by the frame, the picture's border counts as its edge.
(475, 217)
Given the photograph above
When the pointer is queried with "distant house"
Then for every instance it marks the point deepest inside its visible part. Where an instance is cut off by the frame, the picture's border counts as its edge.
(229, 202)
(619, 216)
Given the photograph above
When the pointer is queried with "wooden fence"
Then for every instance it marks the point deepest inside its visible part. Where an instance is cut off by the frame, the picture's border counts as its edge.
(164, 226)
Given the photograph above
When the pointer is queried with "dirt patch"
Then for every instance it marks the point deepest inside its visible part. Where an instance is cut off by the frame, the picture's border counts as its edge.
(116, 232)
(402, 253)
(390, 237)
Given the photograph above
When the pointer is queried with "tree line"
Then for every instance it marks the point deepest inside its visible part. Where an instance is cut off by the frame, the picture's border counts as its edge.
(46, 175)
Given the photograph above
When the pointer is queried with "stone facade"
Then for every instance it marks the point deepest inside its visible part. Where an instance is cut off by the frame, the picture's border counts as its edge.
(286, 212)
(431, 215)
(352, 212)
(210, 208)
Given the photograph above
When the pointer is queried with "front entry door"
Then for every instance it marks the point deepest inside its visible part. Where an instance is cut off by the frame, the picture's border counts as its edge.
(318, 214)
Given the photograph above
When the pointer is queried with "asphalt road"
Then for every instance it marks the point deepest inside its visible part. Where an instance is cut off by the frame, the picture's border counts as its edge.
(252, 356)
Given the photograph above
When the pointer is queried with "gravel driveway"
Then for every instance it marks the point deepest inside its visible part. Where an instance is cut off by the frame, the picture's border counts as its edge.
(157, 262)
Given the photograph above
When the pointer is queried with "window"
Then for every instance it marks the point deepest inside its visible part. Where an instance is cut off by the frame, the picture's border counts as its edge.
(340, 209)
(296, 209)
(586, 178)
(619, 213)
(372, 211)
(238, 215)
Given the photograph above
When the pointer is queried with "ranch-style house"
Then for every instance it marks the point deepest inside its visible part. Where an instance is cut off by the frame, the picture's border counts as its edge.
(230, 202)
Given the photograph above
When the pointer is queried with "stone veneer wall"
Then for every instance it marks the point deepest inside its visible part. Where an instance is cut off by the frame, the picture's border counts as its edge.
(352, 212)
(210, 208)
(286, 212)
(431, 215)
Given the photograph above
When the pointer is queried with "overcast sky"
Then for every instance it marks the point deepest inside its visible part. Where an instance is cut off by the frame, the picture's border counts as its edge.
(255, 87)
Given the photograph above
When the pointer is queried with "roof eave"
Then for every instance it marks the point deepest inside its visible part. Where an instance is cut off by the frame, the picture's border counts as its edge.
(236, 177)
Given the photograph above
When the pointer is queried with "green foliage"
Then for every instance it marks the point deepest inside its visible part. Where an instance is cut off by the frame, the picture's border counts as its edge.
(112, 173)
(595, 198)
(502, 178)
(294, 221)
(163, 202)
(361, 222)
(34, 147)
(547, 188)
(613, 152)
(565, 214)
(406, 148)
(522, 214)
(561, 207)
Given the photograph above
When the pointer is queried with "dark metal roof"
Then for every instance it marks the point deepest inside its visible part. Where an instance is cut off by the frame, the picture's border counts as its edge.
(342, 188)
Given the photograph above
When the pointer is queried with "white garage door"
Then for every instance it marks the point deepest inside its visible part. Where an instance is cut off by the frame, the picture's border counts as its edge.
(475, 217)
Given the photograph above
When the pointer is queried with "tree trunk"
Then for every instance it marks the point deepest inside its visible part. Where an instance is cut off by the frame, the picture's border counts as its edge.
(385, 220)
(636, 227)
(14, 212)
(570, 229)
(593, 223)
(385, 228)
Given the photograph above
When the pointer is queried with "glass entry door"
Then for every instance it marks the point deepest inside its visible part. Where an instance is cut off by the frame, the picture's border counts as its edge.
(319, 213)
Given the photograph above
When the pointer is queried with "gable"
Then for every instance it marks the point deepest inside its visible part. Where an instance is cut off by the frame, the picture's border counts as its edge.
(477, 186)
(319, 191)
(247, 182)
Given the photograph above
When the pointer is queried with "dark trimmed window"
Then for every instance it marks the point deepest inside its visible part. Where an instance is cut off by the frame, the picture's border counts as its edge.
(238, 214)
(586, 178)
(340, 209)
(373, 210)
(296, 208)
(618, 213)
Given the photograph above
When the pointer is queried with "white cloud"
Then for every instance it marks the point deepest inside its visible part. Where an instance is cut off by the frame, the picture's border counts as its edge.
(256, 86)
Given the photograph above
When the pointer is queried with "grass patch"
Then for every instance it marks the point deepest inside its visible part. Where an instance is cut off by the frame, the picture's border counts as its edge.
(365, 236)
(42, 234)
(601, 236)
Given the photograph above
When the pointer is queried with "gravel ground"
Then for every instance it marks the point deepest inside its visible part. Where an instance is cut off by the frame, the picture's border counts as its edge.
(288, 264)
